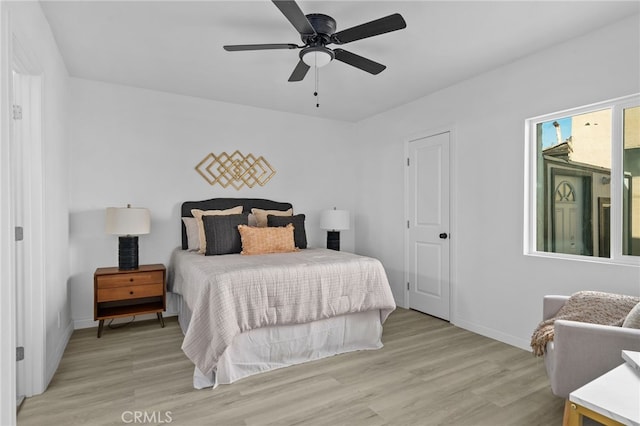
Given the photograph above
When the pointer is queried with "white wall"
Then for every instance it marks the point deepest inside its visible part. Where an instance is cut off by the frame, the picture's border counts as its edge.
(496, 290)
(141, 147)
(31, 30)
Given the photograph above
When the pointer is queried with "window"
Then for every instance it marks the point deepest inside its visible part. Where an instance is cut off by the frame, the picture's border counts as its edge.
(583, 182)
(631, 189)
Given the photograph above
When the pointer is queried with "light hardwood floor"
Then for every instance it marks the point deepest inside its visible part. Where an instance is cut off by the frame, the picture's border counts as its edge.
(428, 373)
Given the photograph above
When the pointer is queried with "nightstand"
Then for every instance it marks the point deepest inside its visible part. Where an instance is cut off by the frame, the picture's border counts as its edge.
(123, 293)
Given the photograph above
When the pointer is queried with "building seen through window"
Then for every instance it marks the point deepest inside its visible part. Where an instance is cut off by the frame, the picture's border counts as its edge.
(574, 182)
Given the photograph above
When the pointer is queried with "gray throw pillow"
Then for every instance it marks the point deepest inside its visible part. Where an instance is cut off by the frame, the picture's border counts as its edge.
(222, 235)
(299, 233)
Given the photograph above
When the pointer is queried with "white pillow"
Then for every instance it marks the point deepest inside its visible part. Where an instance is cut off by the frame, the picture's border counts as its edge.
(197, 213)
(633, 318)
(193, 237)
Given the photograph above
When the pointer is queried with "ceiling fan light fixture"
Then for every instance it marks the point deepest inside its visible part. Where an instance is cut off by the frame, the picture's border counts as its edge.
(318, 30)
(316, 56)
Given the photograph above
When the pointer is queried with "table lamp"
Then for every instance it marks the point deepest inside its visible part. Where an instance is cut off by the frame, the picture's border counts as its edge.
(128, 223)
(334, 221)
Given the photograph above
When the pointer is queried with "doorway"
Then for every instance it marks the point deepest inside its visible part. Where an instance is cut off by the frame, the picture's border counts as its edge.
(26, 217)
(428, 242)
(571, 224)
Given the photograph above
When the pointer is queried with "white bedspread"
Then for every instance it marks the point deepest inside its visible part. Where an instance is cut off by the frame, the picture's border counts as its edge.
(231, 294)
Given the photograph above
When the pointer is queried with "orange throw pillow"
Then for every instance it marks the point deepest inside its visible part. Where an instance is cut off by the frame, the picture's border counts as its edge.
(267, 240)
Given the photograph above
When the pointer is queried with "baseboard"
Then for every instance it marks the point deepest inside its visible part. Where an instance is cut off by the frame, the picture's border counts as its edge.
(90, 323)
(494, 334)
(53, 361)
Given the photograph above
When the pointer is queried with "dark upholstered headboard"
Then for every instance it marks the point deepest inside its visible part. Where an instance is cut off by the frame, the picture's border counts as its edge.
(227, 203)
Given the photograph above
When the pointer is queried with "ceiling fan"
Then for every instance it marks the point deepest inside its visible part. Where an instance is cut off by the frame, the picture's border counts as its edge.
(317, 31)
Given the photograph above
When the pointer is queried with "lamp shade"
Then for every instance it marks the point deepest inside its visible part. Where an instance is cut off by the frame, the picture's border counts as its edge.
(127, 221)
(334, 220)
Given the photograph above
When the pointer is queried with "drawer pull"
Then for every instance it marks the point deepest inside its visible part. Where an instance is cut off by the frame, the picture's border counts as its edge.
(130, 292)
(130, 280)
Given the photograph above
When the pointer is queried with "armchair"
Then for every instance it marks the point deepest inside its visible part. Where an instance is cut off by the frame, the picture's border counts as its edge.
(581, 352)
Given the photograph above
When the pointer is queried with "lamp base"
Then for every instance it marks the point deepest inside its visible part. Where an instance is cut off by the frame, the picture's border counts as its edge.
(128, 252)
(333, 240)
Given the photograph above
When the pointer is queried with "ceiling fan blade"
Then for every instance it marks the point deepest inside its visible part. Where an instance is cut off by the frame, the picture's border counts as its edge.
(292, 12)
(240, 47)
(299, 72)
(358, 61)
(379, 26)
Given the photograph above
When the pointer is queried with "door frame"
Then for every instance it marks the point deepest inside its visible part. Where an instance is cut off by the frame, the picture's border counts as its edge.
(32, 312)
(451, 129)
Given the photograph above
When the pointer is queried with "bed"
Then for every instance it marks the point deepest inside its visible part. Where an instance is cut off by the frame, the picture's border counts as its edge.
(245, 314)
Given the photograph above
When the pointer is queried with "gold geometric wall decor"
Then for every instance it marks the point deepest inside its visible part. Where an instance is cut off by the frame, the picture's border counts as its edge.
(236, 170)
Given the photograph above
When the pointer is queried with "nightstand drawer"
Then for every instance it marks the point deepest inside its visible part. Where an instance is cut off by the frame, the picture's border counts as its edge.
(130, 292)
(130, 279)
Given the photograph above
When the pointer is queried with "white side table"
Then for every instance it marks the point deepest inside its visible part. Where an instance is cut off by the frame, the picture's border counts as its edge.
(612, 399)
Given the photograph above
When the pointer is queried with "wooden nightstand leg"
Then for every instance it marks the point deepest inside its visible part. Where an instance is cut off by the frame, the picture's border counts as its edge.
(100, 325)
(161, 319)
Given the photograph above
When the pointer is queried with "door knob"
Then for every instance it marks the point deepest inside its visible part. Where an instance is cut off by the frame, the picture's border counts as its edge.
(444, 235)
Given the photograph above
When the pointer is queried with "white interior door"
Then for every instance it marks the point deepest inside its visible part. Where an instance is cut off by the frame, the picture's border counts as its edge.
(428, 225)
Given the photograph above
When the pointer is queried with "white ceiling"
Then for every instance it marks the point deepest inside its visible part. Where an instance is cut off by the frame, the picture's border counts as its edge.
(176, 47)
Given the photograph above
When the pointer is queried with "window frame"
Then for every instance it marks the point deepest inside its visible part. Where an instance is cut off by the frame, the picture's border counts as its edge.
(532, 170)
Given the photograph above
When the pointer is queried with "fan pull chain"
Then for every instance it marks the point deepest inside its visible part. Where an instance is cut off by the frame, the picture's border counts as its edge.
(317, 73)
